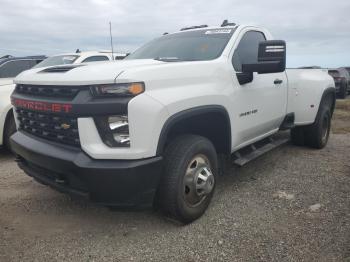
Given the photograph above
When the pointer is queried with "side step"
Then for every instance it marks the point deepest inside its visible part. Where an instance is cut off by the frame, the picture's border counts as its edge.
(251, 152)
(288, 122)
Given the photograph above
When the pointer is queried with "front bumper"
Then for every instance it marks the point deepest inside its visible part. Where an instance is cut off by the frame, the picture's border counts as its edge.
(120, 183)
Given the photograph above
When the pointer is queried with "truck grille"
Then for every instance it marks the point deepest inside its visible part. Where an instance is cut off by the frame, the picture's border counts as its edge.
(49, 91)
(61, 129)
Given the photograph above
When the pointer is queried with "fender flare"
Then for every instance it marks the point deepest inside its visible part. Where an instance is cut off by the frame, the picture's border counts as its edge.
(188, 113)
(3, 121)
(327, 91)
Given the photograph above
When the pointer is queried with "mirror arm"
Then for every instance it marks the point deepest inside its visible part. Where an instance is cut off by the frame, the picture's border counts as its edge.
(244, 77)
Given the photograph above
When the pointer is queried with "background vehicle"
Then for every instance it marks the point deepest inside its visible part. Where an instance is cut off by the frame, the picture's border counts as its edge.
(342, 81)
(157, 127)
(81, 57)
(10, 67)
(346, 71)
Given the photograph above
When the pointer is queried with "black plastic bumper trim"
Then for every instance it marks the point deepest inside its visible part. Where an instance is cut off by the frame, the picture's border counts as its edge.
(120, 183)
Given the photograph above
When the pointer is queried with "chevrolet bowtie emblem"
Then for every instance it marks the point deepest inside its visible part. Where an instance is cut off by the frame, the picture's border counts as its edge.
(65, 126)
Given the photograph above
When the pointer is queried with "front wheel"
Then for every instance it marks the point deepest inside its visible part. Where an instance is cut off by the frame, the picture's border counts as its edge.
(189, 178)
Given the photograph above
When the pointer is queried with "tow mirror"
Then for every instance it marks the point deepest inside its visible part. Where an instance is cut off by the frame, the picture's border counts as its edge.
(271, 58)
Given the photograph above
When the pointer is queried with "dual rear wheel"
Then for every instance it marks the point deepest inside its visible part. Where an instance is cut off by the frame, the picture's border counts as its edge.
(317, 134)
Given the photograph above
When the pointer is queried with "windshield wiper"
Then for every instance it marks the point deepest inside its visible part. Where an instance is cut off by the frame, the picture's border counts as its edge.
(168, 59)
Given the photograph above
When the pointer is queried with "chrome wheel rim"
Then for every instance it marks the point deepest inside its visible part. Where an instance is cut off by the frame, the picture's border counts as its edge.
(199, 181)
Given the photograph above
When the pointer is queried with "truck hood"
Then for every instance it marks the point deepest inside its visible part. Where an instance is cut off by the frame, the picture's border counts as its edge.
(82, 74)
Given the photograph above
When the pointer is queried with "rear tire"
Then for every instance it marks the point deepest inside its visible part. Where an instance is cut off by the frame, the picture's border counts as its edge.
(9, 130)
(189, 178)
(316, 135)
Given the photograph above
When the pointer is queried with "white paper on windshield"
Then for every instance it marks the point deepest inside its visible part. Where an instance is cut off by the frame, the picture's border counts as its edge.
(69, 58)
(218, 31)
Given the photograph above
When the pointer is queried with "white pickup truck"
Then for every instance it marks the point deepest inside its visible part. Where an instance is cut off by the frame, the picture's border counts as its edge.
(152, 130)
(10, 67)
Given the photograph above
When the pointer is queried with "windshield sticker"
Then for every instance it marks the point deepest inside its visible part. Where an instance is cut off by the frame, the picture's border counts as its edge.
(69, 58)
(218, 31)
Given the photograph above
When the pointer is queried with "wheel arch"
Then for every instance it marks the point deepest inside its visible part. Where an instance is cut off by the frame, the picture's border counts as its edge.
(9, 114)
(328, 92)
(211, 121)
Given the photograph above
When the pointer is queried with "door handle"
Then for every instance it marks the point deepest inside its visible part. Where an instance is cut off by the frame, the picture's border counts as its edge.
(278, 81)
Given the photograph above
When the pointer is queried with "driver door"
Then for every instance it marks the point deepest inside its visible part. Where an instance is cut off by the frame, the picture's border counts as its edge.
(260, 105)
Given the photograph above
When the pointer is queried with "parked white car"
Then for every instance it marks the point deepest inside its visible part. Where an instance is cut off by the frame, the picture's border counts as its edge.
(11, 67)
(152, 128)
(81, 57)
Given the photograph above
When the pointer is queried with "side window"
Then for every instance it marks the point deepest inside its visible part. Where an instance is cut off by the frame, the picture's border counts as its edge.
(13, 68)
(95, 58)
(247, 49)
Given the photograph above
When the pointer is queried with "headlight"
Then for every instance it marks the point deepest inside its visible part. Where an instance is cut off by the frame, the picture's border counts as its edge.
(114, 130)
(113, 90)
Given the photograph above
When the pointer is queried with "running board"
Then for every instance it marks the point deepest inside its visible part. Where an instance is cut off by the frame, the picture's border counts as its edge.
(251, 152)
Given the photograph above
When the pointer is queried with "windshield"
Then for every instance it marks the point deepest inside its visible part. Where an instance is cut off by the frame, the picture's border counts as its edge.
(58, 60)
(198, 45)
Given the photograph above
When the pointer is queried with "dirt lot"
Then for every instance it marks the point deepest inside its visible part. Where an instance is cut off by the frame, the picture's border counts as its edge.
(292, 204)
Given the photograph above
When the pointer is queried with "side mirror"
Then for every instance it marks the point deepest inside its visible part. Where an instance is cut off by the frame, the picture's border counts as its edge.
(271, 58)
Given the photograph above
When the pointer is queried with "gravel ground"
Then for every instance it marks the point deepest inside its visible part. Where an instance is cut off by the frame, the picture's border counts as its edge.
(292, 204)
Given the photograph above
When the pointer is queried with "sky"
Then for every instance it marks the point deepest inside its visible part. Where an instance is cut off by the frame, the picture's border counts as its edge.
(317, 32)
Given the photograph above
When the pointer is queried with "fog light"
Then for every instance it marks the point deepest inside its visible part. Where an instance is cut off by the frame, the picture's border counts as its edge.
(114, 130)
(119, 126)
(122, 139)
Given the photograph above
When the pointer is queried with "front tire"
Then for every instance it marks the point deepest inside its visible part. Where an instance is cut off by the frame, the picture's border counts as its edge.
(189, 178)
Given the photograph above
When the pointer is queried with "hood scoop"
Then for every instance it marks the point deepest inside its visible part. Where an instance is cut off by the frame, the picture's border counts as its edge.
(59, 69)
